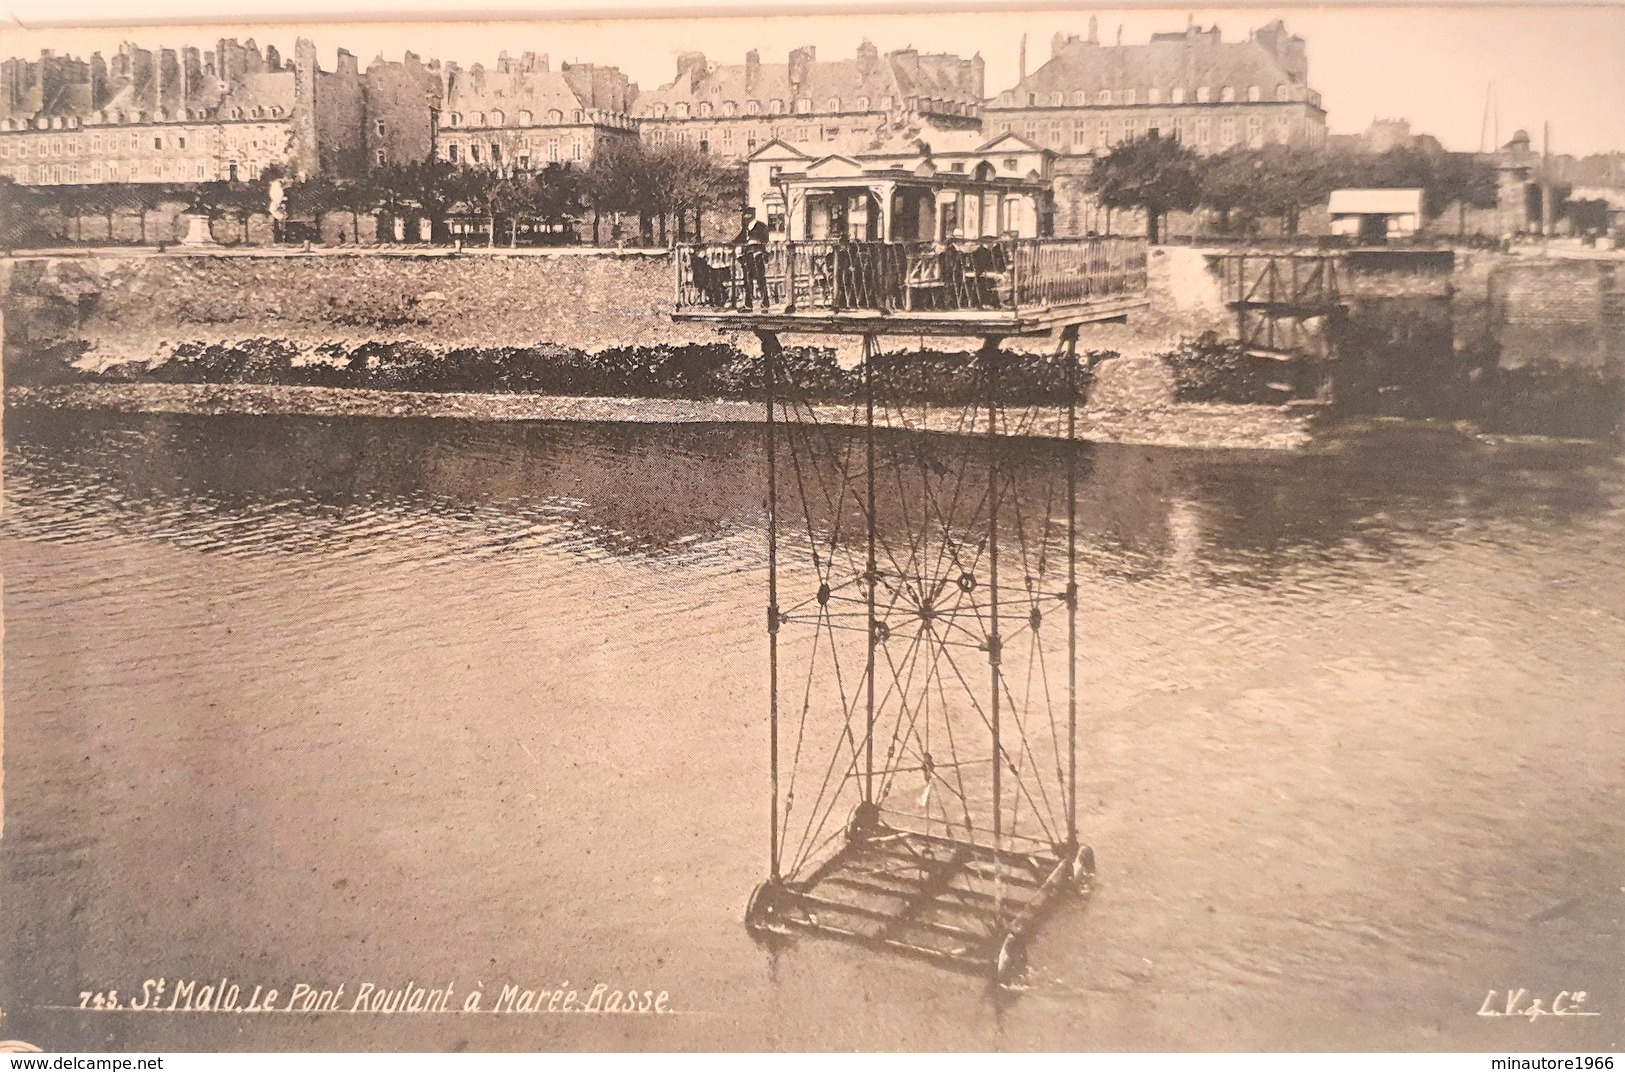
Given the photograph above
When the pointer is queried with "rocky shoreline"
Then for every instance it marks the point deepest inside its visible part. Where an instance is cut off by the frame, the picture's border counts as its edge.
(1196, 426)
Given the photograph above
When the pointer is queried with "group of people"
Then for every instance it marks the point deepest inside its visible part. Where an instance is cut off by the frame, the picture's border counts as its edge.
(861, 275)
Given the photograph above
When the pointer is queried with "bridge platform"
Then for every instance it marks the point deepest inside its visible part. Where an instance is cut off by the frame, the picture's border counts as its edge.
(991, 288)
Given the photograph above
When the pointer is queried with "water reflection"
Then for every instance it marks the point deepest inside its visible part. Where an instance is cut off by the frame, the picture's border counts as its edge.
(267, 484)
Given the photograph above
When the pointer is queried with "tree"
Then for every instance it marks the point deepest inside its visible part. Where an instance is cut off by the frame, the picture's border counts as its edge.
(1468, 180)
(1155, 174)
(18, 205)
(613, 180)
(429, 185)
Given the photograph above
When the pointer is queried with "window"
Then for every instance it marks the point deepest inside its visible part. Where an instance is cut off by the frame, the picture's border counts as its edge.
(378, 158)
(95, 144)
(1255, 131)
(1104, 97)
(1227, 131)
(727, 137)
(1103, 134)
(774, 172)
(553, 150)
(200, 171)
(575, 149)
(474, 152)
(451, 151)
(1204, 94)
(1009, 163)
(379, 126)
(181, 141)
(496, 153)
(750, 144)
(1227, 94)
(1283, 129)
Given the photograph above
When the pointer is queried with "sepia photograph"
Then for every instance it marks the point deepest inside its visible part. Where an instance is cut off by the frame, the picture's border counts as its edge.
(860, 529)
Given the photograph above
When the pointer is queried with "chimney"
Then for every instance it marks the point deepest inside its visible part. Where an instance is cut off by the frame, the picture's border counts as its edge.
(978, 79)
(273, 58)
(1023, 66)
(1056, 43)
(504, 64)
(690, 66)
(98, 81)
(753, 69)
(868, 58)
(801, 61)
(1119, 35)
(1094, 30)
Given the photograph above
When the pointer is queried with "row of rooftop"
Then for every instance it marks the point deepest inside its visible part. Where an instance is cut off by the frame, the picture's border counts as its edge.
(235, 80)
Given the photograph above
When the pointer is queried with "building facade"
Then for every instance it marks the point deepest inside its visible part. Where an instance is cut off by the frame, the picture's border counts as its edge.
(1210, 94)
(731, 110)
(183, 116)
(521, 114)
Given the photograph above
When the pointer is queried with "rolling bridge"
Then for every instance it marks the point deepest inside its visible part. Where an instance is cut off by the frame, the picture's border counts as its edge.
(922, 595)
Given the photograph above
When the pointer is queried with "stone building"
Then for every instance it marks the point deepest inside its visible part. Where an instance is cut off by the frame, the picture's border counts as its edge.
(523, 114)
(731, 110)
(1208, 93)
(401, 102)
(181, 116)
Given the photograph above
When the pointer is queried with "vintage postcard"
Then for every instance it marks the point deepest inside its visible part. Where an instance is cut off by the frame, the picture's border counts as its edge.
(1053, 529)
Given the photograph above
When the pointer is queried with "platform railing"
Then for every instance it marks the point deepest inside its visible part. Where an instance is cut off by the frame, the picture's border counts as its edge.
(888, 277)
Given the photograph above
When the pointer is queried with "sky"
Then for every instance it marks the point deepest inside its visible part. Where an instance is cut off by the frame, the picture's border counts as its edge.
(1438, 66)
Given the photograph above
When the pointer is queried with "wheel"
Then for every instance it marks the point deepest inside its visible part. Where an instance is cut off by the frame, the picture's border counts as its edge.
(762, 912)
(1083, 866)
(1012, 963)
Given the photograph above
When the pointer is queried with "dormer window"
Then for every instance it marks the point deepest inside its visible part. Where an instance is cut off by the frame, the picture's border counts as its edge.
(1057, 98)
(1104, 97)
(660, 111)
(776, 106)
(526, 119)
(453, 119)
(556, 116)
(1227, 94)
(479, 119)
(753, 107)
(833, 104)
(1153, 96)
(729, 107)
(680, 111)
(497, 119)
(1254, 93)
(1128, 96)
(1204, 94)
(705, 107)
(1178, 95)
(804, 105)
(1007, 97)
(1281, 92)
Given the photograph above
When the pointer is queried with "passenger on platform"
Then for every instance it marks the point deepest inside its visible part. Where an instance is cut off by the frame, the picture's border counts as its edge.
(752, 243)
